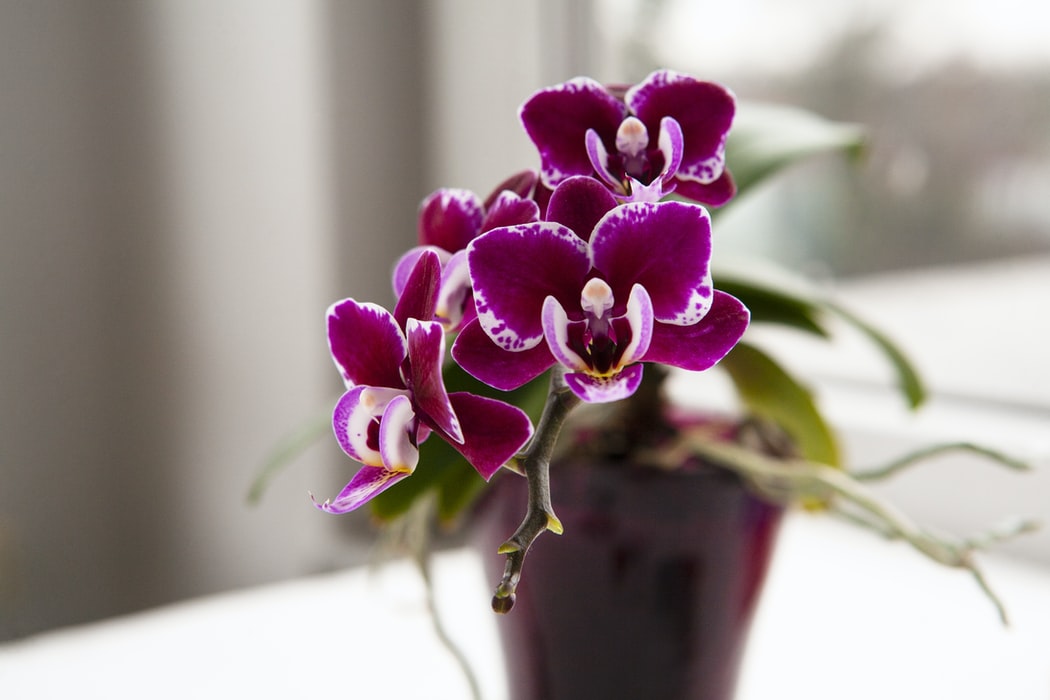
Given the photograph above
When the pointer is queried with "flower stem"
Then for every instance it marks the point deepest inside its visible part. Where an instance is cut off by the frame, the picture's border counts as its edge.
(535, 463)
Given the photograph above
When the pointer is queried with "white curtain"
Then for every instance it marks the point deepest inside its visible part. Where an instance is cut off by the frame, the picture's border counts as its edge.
(185, 185)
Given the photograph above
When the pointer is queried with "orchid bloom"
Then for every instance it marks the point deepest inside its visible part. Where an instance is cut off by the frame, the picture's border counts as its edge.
(391, 365)
(598, 288)
(449, 219)
(667, 133)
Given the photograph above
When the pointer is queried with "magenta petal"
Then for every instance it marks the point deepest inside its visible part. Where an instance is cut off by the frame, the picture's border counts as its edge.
(508, 209)
(368, 483)
(557, 119)
(449, 219)
(502, 369)
(493, 431)
(407, 262)
(700, 346)
(664, 247)
(419, 296)
(715, 194)
(704, 110)
(426, 353)
(580, 203)
(514, 269)
(605, 389)
(671, 143)
(521, 184)
(366, 343)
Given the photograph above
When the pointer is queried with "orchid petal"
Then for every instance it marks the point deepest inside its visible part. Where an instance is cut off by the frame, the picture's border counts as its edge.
(639, 317)
(356, 421)
(366, 343)
(475, 352)
(426, 353)
(520, 183)
(396, 432)
(368, 483)
(664, 247)
(493, 431)
(701, 345)
(450, 219)
(704, 111)
(579, 203)
(715, 194)
(454, 291)
(407, 262)
(419, 296)
(513, 269)
(599, 158)
(508, 209)
(556, 331)
(557, 118)
(605, 389)
(671, 146)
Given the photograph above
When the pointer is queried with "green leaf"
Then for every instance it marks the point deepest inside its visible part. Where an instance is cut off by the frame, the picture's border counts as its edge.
(908, 379)
(770, 304)
(775, 296)
(771, 393)
(766, 138)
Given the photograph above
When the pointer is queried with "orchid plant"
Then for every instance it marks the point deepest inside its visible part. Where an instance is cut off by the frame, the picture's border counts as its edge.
(581, 283)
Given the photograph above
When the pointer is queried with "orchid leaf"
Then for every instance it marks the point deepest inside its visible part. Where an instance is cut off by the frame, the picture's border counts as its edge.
(773, 295)
(771, 305)
(766, 138)
(771, 393)
(908, 379)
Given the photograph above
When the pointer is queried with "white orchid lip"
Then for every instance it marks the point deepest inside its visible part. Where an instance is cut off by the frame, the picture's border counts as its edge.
(370, 408)
(396, 429)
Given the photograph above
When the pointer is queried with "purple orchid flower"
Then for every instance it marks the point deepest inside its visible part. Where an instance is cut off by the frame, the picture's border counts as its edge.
(598, 288)
(667, 133)
(395, 398)
(449, 219)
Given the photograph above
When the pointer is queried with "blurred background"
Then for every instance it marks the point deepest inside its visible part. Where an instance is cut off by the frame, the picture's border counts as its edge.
(186, 185)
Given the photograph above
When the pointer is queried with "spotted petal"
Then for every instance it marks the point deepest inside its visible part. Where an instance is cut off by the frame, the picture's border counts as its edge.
(368, 483)
(366, 343)
(701, 345)
(704, 111)
(557, 119)
(475, 352)
(514, 269)
(605, 389)
(666, 248)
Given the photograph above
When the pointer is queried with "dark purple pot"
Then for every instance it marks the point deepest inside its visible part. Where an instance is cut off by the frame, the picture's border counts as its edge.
(648, 594)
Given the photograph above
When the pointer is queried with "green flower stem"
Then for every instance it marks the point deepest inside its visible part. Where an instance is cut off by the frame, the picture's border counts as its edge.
(535, 462)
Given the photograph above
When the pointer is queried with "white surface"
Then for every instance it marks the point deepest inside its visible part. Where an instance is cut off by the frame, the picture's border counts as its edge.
(845, 615)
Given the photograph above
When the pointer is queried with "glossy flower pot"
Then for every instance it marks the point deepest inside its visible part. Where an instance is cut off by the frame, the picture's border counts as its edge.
(650, 592)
